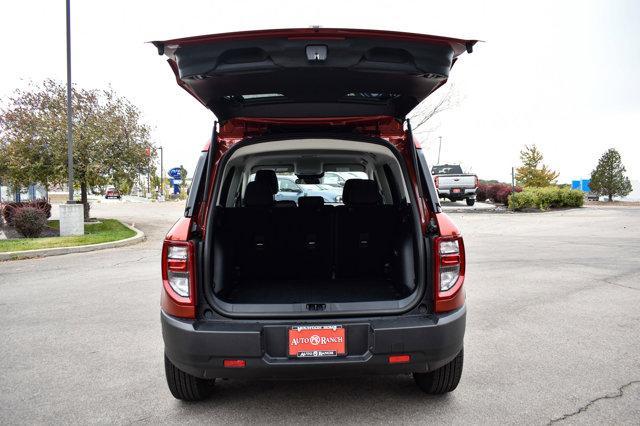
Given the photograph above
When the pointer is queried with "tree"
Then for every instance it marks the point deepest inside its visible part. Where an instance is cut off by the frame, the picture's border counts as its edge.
(183, 178)
(608, 178)
(110, 140)
(30, 134)
(432, 106)
(533, 172)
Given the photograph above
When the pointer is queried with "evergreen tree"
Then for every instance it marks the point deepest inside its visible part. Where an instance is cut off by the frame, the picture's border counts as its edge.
(608, 178)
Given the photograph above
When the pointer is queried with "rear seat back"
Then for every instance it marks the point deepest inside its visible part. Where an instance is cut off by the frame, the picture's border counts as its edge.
(312, 240)
(363, 231)
(253, 233)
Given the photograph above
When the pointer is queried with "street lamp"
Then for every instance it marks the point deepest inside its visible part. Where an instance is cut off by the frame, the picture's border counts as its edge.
(69, 108)
(71, 215)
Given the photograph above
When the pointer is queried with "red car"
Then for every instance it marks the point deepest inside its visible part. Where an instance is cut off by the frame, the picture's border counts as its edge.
(258, 288)
(112, 193)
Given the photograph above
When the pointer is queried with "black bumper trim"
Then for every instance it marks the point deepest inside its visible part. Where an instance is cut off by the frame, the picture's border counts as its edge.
(200, 347)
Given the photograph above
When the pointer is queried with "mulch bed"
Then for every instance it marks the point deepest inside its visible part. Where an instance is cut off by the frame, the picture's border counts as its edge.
(12, 233)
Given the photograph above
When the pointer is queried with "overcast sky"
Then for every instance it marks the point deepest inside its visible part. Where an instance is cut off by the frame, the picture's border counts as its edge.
(563, 75)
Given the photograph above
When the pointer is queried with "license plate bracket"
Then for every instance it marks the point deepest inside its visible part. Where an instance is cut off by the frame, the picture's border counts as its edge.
(317, 341)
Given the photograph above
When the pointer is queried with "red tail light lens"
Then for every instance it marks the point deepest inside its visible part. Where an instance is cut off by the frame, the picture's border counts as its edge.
(449, 273)
(234, 363)
(436, 181)
(399, 359)
(476, 181)
(178, 278)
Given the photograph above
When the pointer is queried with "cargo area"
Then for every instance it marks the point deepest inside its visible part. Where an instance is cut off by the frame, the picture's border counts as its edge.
(312, 251)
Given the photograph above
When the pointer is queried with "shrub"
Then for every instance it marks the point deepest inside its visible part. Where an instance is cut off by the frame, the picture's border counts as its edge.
(481, 192)
(522, 200)
(10, 208)
(496, 192)
(546, 198)
(29, 221)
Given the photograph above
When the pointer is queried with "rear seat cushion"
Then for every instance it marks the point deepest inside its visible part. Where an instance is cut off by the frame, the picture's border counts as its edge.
(361, 192)
(310, 202)
(269, 178)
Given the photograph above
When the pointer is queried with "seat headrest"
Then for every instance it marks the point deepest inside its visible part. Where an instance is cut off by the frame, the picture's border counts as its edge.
(361, 192)
(258, 194)
(310, 202)
(269, 178)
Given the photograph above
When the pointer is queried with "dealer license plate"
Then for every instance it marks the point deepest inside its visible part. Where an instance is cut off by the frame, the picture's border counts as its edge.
(317, 341)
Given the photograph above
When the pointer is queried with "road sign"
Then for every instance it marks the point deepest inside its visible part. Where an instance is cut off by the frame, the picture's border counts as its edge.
(175, 173)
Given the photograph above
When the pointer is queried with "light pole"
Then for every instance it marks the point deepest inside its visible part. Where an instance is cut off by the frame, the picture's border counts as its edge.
(69, 108)
(161, 173)
(439, 147)
(71, 214)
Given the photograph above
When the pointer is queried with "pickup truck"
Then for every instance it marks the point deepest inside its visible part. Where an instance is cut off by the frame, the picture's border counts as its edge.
(453, 184)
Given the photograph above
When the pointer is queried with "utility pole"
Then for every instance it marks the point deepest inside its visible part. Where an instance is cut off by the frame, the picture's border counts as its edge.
(513, 179)
(439, 148)
(69, 108)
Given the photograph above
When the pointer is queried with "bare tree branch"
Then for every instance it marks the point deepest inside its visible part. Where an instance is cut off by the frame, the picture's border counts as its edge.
(433, 106)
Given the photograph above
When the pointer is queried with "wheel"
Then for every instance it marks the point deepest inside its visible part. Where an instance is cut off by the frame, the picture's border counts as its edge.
(471, 201)
(444, 379)
(185, 386)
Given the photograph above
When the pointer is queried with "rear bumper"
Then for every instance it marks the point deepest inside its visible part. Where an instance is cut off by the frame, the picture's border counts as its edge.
(200, 347)
(468, 193)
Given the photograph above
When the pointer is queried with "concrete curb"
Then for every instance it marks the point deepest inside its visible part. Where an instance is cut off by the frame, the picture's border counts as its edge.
(56, 251)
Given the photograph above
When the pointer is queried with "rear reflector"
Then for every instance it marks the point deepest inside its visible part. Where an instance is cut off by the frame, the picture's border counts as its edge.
(234, 363)
(399, 359)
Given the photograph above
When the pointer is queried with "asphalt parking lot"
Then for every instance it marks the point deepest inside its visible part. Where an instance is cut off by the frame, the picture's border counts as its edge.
(553, 334)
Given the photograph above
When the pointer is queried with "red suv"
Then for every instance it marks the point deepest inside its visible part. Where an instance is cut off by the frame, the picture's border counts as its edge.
(258, 288)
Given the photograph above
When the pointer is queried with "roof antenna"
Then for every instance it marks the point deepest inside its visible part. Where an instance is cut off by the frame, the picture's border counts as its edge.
(315, 28)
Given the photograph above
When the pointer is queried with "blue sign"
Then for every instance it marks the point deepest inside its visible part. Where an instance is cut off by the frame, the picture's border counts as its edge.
(581, 185)
(175, 173)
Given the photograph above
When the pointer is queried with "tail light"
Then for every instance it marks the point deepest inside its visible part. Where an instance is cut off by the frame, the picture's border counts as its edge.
(436, 181)
(449, 273)
(475, 181)
(178, 278)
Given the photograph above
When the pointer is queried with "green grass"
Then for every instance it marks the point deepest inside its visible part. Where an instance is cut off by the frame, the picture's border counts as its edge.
(108, 230)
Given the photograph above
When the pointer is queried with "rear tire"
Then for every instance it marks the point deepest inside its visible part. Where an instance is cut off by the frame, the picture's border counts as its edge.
(470, 201)
(185, 386)
(444, 379)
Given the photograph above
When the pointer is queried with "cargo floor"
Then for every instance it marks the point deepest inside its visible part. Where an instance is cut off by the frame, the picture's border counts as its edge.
(311, 291)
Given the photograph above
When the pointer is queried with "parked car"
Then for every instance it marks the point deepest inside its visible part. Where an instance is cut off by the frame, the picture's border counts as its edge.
(112, 193)
(339, 178)
(373, 286)
(455, 185)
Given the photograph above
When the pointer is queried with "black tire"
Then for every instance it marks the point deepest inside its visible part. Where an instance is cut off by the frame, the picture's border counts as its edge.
(471, 201)
(185, 386)
(444, 379)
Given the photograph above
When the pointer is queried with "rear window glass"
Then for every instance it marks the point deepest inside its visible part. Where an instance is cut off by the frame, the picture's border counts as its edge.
(329, 186)
(447, 169)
